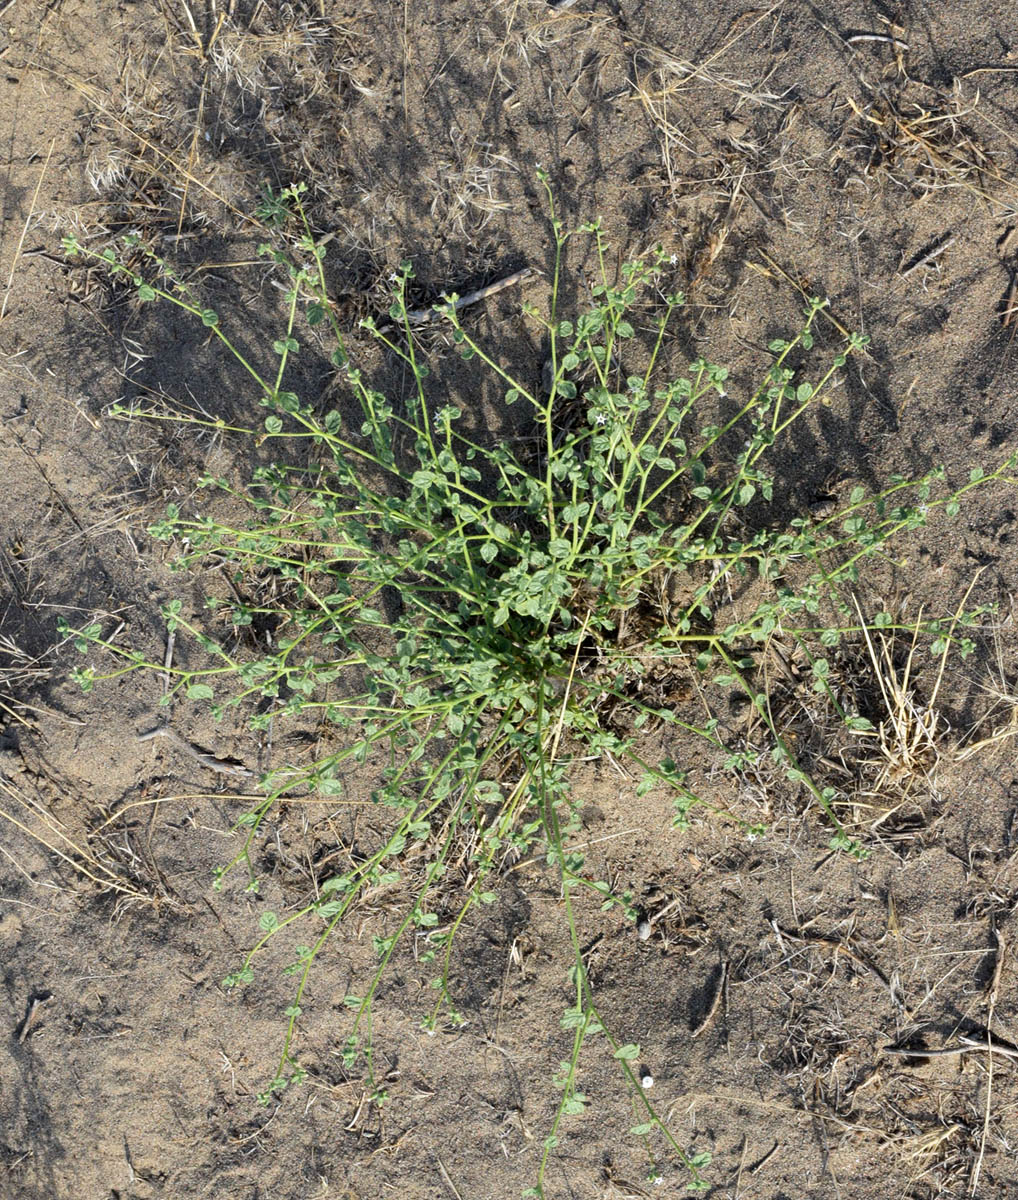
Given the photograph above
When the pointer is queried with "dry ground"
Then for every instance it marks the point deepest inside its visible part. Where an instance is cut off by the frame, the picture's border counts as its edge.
(864, 151)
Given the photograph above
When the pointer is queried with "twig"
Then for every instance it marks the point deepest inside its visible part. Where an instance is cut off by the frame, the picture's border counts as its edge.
(715, 1002)
(1010, 307)
(190, 21)
(210, 761)
(966, 1045)
(421, 316)
(24, 231)
(930, 255)
(982, 70)
(445, 1176)
(761, 1163)
(876, 37)
(991, 1009)
(825, 313)
(31, 1018)
(155, 801)
(171, 638)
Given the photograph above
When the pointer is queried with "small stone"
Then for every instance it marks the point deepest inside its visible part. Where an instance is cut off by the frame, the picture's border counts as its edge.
(643, 929)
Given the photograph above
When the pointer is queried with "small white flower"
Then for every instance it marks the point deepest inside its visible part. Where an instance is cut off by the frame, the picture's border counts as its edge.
(673, 259)
(601, 419)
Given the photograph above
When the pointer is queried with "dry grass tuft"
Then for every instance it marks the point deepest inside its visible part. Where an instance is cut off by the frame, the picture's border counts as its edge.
(20, 673)
(541, 30)
(926, 148)
(465, 185)
(663, 86)
(169, 146)
(908, 741)
(31, 816)
(911, 748)
(315, 53)
(1003, 696)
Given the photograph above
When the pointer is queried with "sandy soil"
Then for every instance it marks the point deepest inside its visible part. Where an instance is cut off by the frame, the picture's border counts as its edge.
(863, 151)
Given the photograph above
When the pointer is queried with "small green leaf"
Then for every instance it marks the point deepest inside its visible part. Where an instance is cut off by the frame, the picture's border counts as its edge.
(200, 691)
(628, 1052)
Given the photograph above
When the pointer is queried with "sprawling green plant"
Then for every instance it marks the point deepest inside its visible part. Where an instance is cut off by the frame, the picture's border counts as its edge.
(469, 615)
